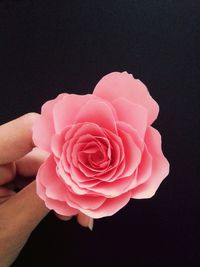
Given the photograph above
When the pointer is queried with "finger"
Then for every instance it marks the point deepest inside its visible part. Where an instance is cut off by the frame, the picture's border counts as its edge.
(85, 221)
(63, 218)
(5, 194)
(7, 173)
(16, 138)
(22, 212)
(30, 163)
(19, 216)
(82, 219)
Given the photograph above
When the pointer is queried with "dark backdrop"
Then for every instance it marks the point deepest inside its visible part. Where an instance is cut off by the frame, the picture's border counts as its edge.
(47, 47)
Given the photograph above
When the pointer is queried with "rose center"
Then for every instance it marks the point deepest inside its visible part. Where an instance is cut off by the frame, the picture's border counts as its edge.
(95, 155)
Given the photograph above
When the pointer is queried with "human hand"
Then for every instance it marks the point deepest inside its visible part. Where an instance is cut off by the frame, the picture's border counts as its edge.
(20, 212)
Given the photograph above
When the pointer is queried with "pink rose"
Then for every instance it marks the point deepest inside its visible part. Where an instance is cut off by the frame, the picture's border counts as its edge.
(103, 150)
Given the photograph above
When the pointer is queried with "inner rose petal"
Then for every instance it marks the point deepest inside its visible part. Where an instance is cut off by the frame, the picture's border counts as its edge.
(98, 160)
(93, 146)
(96, 157)
(66, 177)
(116, 155)
(81, 129)
(76, 149)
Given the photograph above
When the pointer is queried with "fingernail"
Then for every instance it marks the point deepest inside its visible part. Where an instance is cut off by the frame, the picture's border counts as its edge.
(91, 224)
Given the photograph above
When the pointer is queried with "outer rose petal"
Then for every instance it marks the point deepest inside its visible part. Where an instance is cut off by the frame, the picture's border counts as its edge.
(43, 128)
(117, 84)
(66, 109)
(109, 207)
(55, 194)
(145, 168)
(59, 206)
(132, 154)
(98, 112)
(131, 113)
(160, 166)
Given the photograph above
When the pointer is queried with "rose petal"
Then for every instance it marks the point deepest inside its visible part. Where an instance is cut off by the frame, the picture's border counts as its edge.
(132, 132)
(60, 207)
(116, 84)
(66, 109)
(98, 112)
(132, 153)
(160, 166)
(133, 114)
(81, 129)
(115, 188)
(85, 201)
(47, 176)
(109, 207)
(145, 167)
(50, 189)
(58, 141)
(67, 178)
(43, 128)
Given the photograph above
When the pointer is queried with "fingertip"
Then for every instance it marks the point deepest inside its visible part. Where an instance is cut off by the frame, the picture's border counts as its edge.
(63, 218)
(85, 221)
(16, 138)
(7, 172)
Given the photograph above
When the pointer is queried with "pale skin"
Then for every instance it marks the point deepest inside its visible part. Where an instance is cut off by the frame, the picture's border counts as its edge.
(21, 212)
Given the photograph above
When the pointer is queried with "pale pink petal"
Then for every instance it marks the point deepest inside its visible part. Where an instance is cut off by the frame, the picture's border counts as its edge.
(68, 157)
(60, 207)
(89, 183)
(81, 129)
(66, 109)
(58, 141)
(132, 154)
(75, 153)
(51, 190)
(85, 201)
(115, 188)
(131, 113)
(116, 84)
(67, 178)
(160, 166)
(145, 167)
(47, 176)
(117, 158)
(110, 169)
(109, 207)
(118, 171)
(89, 170)
(98, 112)
(43, 128)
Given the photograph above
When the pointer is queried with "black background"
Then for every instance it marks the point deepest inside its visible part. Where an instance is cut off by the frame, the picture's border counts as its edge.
(48, 47)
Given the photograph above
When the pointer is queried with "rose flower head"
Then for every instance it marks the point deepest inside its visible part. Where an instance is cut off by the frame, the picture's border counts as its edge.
(103, 149)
